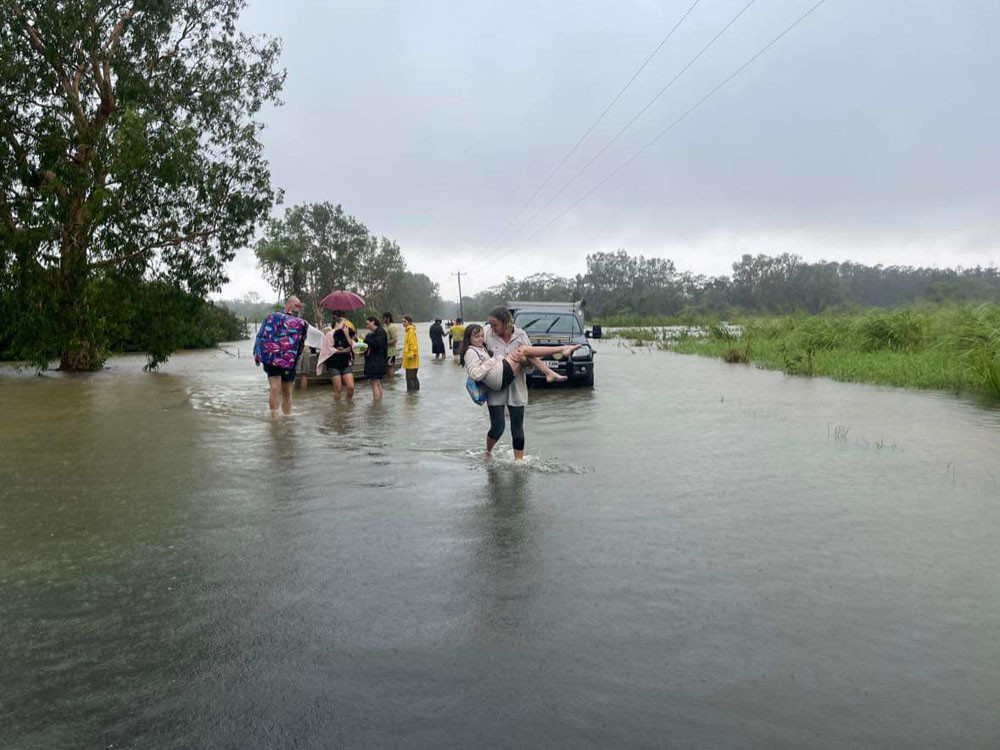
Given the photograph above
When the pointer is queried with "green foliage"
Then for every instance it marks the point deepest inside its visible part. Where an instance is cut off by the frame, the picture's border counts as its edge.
(159, 318)
(898, 330)
(626, 290)
(129, 154)
(316, 248)
(955, 348)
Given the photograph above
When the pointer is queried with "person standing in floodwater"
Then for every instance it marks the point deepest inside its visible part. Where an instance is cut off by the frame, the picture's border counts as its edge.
(411, 354)
(503, 339)
(376, 356)
(393, 338)
(455, 334)
(437, 339)
(278, 346)
(338, 354)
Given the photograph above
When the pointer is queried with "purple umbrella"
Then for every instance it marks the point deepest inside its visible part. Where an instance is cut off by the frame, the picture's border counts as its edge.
(342, 301)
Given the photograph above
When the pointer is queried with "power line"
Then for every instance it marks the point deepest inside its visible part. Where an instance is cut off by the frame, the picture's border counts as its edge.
(666, 130)
(588, 132)
(629, 124)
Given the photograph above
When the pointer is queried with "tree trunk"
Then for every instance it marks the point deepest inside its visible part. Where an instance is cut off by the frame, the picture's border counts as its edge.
(80, 352)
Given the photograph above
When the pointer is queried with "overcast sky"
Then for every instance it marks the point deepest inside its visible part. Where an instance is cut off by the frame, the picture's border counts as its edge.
(870, 132)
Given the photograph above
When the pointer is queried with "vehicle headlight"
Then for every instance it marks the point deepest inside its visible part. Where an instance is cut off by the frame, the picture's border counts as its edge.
(584, 352)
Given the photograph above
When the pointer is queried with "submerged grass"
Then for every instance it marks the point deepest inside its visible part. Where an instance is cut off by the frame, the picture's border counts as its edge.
(951, 348)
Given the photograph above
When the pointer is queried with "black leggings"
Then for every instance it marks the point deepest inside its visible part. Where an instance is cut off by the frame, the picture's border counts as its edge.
(516, 425)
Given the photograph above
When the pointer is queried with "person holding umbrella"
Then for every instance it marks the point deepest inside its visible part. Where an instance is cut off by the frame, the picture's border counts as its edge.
(337, 353)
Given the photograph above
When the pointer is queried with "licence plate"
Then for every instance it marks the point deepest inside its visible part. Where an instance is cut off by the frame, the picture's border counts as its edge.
(555, 364)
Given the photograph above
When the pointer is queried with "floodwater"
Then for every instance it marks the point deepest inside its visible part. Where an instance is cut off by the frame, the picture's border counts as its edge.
(695, 555)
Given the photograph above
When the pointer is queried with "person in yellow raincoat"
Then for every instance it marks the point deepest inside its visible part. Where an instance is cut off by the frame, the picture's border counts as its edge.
(411, 354)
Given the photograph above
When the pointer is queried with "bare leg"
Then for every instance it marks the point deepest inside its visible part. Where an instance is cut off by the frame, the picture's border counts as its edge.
(518, 359)
(550, 375)
(547, 351)
(286, 397)
(490, 442)
(274, 396)
(349, 382)
(337, 385)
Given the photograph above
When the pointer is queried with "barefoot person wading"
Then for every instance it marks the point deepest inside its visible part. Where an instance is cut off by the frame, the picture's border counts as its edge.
(503, 339)
(278, 346)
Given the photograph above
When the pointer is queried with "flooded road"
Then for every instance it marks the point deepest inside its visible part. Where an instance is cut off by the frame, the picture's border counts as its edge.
(695, 555)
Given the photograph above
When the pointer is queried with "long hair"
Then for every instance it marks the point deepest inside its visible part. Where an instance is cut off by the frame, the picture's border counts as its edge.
(503, 315)
(470, 330)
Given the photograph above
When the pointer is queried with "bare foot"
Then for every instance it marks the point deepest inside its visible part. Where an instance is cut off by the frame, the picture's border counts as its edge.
(569, 349)
(555, 377)
(487, 454)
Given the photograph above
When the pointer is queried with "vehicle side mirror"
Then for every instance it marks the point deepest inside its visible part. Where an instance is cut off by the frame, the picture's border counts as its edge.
(594, 333)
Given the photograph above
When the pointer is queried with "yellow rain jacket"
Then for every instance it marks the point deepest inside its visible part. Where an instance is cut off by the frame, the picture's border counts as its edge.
(411, 354)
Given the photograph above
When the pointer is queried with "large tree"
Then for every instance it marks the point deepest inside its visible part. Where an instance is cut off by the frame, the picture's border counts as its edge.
(317, 247)
(129, 153)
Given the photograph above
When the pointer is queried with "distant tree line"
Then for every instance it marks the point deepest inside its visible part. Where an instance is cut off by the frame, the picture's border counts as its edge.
(317, 248)
(620, 284)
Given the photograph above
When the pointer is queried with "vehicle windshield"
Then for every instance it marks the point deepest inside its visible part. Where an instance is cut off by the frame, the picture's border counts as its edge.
(548, 322)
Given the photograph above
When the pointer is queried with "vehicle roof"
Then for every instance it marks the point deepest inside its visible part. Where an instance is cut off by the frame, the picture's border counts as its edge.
(521, 306)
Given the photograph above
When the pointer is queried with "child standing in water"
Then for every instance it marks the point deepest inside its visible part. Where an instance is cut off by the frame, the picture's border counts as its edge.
(496, 372)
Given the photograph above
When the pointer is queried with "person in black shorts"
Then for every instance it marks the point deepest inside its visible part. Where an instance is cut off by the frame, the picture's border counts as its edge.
(341, 362)
(277, 348)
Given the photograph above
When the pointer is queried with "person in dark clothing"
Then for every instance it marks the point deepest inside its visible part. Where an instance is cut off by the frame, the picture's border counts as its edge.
(376, 356)
(340, 365)
(437, 339)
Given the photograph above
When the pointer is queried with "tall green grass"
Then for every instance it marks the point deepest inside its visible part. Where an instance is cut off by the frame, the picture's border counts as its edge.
(955, 348)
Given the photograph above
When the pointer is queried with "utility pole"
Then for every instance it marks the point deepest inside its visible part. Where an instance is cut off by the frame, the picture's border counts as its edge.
(461, 312)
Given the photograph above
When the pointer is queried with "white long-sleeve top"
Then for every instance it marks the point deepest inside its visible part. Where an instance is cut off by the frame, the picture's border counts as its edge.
(516, 394)
(484, 368)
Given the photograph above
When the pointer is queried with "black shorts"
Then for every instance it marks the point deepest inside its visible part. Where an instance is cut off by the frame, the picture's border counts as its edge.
(287, 376)
(508, 375)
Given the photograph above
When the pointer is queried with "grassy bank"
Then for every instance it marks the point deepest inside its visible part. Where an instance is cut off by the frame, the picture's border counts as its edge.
(953, 348)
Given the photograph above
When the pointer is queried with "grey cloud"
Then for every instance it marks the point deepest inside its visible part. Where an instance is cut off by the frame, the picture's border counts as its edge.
(871, 126)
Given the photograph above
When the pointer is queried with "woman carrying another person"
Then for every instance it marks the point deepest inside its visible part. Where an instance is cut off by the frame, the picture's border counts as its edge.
(376, 356)
(411, 354)
(338, 353)
(504, 338)
(496, 371)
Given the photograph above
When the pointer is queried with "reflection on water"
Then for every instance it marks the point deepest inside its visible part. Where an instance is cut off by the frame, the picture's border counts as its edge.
(728, 556)
(507, 553)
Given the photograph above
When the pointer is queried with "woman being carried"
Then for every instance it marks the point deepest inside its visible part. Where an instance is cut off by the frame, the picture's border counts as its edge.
(497, 372)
